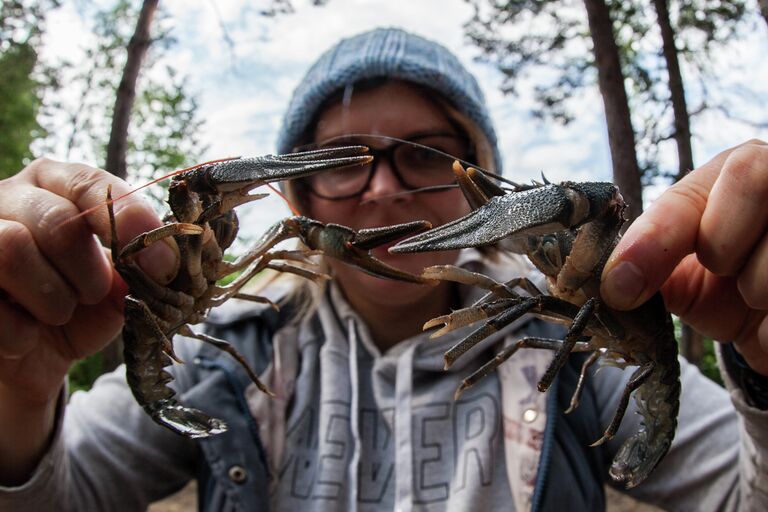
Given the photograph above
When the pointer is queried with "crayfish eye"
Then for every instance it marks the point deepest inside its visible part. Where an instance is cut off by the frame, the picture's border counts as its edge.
(550, 248)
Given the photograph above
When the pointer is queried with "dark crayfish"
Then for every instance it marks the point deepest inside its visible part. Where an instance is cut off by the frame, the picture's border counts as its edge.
(203, 224)
(567, 231)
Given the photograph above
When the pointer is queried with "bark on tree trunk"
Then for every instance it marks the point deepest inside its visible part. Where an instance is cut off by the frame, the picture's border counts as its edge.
(691, 342)
(621, 136)
(112, 355)
(676, 91)
(126, 91)
(764, 9)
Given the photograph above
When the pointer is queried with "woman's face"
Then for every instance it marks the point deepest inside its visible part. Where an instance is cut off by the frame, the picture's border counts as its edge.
(395, 109)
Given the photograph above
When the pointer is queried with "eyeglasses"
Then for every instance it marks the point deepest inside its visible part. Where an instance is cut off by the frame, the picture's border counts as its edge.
(423, 161)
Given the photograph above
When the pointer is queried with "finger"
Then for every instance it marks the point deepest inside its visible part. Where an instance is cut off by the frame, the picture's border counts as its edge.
(753, 279)
(86, 337)
(20, 331)
(659, 239)
(70, 248)
(715, 307)
(709, 303)
(87, 187)
(735, 217)
(28, 278)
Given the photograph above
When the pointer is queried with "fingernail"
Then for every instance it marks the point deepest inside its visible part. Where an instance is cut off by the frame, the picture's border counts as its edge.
(623, 285)
(159, 261)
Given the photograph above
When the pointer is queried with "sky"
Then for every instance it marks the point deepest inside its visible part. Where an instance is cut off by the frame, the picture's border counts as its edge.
(244, 88)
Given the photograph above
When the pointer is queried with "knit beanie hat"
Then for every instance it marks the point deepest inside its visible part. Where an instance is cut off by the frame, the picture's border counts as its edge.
(385, 52)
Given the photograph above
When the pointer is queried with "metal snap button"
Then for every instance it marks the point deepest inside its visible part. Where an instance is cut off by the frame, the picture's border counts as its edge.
(237, 474)
(530, 415)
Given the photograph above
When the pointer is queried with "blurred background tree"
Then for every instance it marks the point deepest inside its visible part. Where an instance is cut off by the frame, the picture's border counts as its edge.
(23, 81)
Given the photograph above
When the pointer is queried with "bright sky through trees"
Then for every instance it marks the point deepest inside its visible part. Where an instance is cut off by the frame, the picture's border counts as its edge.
(244, 87)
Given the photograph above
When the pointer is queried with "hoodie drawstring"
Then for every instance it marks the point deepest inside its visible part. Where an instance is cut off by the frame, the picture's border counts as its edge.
(403, 431)
(354, 417)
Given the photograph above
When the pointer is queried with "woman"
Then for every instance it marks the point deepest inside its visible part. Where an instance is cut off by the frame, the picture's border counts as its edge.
(364, 416)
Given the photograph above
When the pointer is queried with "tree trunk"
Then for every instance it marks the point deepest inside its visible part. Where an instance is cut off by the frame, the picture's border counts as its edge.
(676, 91)
(691, 342)
(621, 136)
(764, 9)
(112, 355)
(126, 91)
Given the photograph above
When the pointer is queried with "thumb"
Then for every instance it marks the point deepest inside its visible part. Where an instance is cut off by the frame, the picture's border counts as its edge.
(659, 239)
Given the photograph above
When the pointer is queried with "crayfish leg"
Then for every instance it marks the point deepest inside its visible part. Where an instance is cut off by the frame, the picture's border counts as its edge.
(166, 231)
(576, 398)
(467, 316)
(507, 352)
(524, 305)
(580, 321)
(638, 378)
(257, 299)
(487, 369)
(306, 273)
(226, 347)
(464, 276)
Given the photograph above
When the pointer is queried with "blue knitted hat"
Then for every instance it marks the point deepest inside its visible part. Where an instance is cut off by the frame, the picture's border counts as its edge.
(385, 52)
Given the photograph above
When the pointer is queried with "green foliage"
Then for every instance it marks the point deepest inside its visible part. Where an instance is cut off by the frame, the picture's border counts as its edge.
(19, 104)
(22, 81)
(163, 134)
(708, 364)
(84, 372)
(168, 138)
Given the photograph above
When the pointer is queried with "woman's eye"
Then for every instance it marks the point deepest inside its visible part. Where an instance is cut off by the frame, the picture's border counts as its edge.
(421, 156)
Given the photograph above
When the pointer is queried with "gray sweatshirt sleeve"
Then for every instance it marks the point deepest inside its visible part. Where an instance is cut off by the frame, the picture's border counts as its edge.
(717, 460)
(106, 454)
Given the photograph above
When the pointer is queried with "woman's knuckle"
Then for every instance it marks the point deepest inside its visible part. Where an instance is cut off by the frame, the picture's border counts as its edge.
(15, 243)
(81, 179)
(50, 220)
(746, 167)
(754, 295)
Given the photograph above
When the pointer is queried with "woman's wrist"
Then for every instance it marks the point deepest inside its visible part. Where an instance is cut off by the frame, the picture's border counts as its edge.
(754, 384)
(27, 429)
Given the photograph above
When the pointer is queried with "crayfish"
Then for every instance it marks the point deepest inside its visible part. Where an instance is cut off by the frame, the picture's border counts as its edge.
(567, 230)
(203, 224)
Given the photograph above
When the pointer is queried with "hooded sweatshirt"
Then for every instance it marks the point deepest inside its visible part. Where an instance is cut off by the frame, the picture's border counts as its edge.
(355, 429)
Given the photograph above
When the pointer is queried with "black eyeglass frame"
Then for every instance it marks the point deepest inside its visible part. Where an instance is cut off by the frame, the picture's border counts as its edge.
(388, 153)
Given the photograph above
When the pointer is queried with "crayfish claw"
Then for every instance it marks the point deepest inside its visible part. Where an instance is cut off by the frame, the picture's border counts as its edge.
(455, 320)
(188, 422)
(443, 321)
(370, 238)
(476, 187)
(249, 173)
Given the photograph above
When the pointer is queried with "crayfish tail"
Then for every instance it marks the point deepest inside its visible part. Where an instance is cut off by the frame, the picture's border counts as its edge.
(187, 421)
(636, 459)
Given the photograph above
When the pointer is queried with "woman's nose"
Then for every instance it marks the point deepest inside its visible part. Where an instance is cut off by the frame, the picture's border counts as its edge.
(384, 182)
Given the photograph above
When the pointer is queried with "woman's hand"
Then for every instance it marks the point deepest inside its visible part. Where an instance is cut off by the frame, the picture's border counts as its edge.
(60, 298)
(704, 244)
